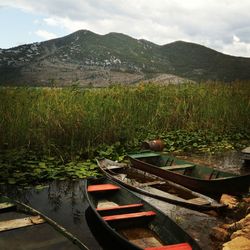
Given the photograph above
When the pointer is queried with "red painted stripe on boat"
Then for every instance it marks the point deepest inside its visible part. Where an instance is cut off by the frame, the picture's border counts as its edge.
(128, 216)
(102, 187)
(181, 246)
(119, 207)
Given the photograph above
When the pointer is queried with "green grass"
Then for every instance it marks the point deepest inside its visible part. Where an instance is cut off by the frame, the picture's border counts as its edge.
(48, 133)
(75, 119)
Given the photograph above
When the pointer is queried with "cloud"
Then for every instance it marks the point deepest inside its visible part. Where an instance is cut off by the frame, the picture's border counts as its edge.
(212, 23)
(45, 34)
(237, 47)
(52, 21)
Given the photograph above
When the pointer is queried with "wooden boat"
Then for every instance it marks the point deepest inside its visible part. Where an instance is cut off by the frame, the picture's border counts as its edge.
(245, 156)
(202, 179)
(156, 187)
(29, 220)
(132, 223)
(23, 216)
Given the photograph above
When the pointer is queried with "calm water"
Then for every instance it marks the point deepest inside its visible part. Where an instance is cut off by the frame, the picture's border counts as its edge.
(65, 203)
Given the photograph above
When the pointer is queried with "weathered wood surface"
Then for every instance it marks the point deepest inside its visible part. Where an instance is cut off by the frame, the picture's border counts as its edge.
(199, 201)
(177, 167)
(115, 167)
(129, 216)
(105, 203)
(246, 150)
(6, 205)
(119, 207)
(150, 183)
(142, 237)
(102, 187)
(19, 223)
(245, 154)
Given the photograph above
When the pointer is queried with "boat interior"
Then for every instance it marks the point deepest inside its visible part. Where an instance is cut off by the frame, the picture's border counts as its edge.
(185, 168)
(148, 182)
(131, 218)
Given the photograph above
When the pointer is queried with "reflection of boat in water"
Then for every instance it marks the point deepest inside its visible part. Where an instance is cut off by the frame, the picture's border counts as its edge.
(196, 177)
(156, 187)
(132, 223)
(27, 228)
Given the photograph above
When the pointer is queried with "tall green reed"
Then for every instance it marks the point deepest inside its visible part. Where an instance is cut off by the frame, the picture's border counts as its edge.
(78, 118)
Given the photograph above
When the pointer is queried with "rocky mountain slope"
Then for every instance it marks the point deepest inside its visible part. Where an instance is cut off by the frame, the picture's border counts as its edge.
(89, 59)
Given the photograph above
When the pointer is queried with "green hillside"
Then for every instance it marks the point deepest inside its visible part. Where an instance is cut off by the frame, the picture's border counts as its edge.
(86, 57)
(201, 63)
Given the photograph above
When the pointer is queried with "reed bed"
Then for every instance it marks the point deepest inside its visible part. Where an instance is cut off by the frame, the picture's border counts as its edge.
(80, 118)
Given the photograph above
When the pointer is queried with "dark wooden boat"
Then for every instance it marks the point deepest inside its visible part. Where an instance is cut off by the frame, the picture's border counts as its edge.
(245, 156)
(156, 187)
(16, 215)
(202, 179)
(132, 223)
(16, 223)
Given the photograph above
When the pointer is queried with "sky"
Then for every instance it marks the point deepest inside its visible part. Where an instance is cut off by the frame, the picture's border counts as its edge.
(223, 25)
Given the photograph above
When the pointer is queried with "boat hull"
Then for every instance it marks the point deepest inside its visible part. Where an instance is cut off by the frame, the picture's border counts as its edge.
(163, 226)
(234, 185)
(177, 199)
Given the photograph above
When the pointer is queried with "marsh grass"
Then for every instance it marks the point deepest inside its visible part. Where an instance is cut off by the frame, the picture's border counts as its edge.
(77, 118)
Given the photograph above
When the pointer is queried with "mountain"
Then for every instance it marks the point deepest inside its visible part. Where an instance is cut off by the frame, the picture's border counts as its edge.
(86, 58)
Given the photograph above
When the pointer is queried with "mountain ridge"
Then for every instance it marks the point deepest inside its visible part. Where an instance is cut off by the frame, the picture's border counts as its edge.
(87, 58)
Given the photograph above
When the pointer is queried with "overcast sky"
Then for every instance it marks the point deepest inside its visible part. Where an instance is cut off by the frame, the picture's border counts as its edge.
(223, 25)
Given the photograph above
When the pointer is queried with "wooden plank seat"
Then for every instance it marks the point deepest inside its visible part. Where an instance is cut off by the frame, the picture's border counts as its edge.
(102, 187)
(6, 206)
(112, 167)
(150, 183)
(136, 205)
(119, 217)
(180, 246)
(19, 223)
(178, 167)
(199, 201)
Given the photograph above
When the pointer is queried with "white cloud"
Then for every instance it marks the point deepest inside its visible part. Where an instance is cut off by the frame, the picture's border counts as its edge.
(236, 39)
(45, 34)
(237, 47)
(52, 21)
(212, 23)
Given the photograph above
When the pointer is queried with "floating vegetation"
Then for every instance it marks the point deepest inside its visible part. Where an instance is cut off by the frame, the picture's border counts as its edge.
(25, 167)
